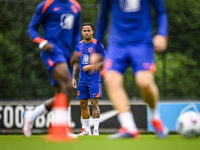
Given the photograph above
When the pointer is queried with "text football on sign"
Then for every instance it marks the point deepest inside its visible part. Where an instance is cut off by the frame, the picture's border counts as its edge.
(18, 113)
(8, 117)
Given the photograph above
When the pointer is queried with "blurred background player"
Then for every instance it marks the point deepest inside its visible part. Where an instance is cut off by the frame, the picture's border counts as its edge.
(131, 43)
(61, 25)
(89, 84)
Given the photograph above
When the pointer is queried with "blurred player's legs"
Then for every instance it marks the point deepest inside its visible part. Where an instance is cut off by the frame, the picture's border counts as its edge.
(150, 94)
(141, 58)
(117, 94)
(59, 129)
(30, 116)
(27, 125)
(62, 76)
(148, 88)
(64, 88)
(85, 113)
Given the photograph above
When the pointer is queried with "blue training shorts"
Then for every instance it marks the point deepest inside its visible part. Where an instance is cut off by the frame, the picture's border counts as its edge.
(50, 59)
(89, 90)
(139, 57)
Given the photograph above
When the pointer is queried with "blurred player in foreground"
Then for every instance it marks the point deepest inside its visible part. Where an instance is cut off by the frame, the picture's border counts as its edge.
(131, 43)
(61, 25)
(89, 84)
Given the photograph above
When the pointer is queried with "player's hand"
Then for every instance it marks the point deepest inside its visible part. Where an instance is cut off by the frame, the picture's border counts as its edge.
(95, 58)
(47, 47)
(87, 68)
(74, 58)
(160, 43)
(74, 83)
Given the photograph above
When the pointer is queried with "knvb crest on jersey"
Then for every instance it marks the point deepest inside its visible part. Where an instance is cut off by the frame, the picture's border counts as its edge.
(90, 49)
(67, 21)
(129, 5)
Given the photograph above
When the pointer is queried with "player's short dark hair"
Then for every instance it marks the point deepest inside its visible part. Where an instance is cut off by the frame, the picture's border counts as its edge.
(88, 24)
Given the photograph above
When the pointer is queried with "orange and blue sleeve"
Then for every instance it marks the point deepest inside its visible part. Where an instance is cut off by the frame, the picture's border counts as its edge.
(36, 20)
(77, 27)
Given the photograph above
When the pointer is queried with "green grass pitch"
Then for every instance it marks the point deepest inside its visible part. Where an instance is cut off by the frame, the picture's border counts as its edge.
(146, 142)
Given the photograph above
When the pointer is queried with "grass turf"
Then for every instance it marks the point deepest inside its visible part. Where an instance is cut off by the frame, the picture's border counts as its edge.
(146, 142)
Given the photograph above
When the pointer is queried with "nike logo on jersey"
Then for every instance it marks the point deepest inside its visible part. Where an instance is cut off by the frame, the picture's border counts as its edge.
(56, 8)
(104, 116)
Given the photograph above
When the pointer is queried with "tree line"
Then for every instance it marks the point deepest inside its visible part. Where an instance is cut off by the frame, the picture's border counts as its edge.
(23, 76)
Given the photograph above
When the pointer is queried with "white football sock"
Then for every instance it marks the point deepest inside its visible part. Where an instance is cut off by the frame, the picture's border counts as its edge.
(155, 113)
(86, 124)
(96, 123)
(39, 110)
(83, 124)
(126, 120)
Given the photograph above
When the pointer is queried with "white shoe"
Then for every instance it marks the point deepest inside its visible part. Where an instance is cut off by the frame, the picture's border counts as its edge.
(71, 135)
(27, 125)
(95, 133)
(84, 133)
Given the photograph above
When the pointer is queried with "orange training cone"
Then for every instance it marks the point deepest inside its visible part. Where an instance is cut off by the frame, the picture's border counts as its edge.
(58, 131)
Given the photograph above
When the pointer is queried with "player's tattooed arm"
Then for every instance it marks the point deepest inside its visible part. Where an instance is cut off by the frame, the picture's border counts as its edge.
(75, 71)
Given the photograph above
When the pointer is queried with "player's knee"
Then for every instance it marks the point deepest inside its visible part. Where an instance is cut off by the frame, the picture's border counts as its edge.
(144, 79)
(83, 105)
(112, 81)
(94, 103)
(143, 84)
